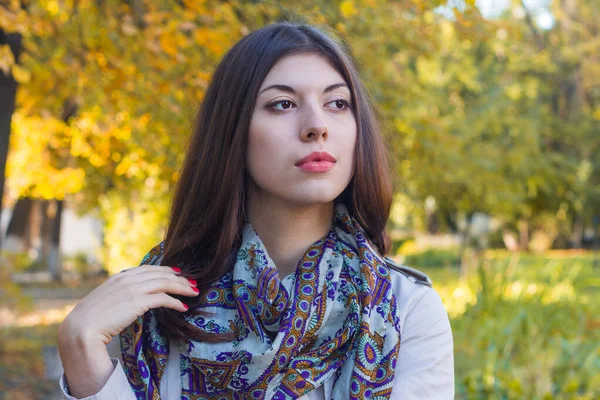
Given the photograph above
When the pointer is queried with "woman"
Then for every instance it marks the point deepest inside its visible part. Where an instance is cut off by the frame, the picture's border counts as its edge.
(281, 289)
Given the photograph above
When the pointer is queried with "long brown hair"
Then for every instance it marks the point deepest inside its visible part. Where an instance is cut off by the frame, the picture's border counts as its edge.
(208, 208)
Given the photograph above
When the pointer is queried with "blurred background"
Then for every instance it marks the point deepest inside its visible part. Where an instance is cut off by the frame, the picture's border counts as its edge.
(491, 109)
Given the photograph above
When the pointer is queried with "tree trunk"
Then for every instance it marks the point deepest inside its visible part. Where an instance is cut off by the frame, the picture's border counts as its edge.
(466, 251)
(45, 230)
(54, 256)
(51, 214)
(8, 92)
(577, 236)
(17, 239)
(523, 235)
(433, 223)
(39, 220)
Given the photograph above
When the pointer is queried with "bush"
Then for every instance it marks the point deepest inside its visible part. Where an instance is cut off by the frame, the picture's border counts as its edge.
(433, 258)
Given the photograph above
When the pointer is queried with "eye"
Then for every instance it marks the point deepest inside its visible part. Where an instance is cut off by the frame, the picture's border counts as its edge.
(285, 105)
(340, 104)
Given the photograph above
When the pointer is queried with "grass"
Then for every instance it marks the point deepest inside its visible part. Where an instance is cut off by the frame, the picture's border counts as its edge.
(525, 330)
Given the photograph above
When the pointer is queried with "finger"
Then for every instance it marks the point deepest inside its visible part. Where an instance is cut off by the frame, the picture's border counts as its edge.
(161, 285)
(164, 300)
(147, 268)
(146, 276)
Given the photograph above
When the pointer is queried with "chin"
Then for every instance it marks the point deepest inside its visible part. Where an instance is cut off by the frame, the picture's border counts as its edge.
(306, 199)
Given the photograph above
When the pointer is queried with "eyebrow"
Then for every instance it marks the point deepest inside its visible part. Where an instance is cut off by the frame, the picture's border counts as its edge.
(289, 89)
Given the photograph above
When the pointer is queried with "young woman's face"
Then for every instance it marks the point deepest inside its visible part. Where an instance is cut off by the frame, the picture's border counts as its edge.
(303, 106)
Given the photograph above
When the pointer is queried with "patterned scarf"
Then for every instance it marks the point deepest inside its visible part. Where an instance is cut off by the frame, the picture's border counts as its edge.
(335, 317)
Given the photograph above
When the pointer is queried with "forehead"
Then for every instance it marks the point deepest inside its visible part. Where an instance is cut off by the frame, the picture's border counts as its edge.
(303, 71)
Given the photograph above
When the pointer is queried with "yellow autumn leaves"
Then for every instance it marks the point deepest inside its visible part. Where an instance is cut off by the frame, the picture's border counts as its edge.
(9, 67)
(30, 159)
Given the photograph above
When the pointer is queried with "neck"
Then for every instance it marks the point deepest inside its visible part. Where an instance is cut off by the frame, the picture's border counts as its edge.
(287, 230)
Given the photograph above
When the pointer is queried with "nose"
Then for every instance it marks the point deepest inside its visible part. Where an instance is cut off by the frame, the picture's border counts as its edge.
(315, 126)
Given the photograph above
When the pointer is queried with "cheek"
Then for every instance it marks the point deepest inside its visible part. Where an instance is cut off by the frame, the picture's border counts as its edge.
(264, 133)
(348, 147)
(266, 151)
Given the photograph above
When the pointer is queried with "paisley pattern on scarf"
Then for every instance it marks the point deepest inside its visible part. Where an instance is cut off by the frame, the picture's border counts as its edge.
(335, 317)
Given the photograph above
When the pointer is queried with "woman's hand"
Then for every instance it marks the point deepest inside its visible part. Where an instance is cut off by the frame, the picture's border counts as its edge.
(105, 312)
(116, 303)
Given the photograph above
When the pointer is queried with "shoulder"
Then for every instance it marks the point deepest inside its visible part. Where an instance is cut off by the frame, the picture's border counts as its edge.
(418, 303)
(425, 367)
(414, 275)
(409, 285)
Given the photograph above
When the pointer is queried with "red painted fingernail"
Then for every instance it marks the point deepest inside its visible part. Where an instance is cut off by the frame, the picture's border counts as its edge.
(195, 289)
(192, 281)
(186, 307)
(178, 270)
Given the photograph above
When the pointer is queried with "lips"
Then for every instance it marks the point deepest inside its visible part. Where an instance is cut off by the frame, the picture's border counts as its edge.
(316, 156)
